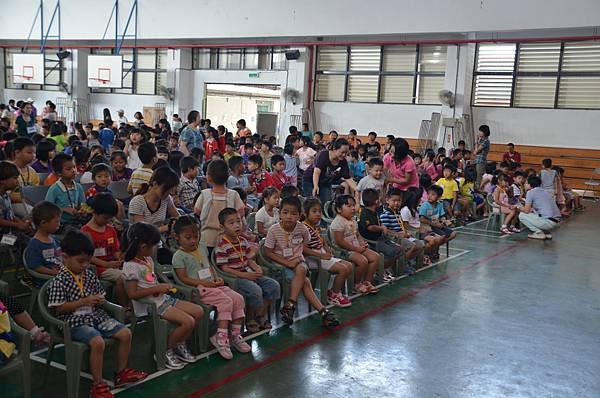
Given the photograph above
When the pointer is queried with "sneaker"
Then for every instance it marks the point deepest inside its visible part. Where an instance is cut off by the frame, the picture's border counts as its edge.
(221, 343)
(239, 344)
(387, 276)
(537, 235)
(184, 354)
(172, 361)
(287, 313)
(101, 390)
(505, 231)
(329, 319)
(514, 229)
(339, 300)
(548, 236)
(129, 376)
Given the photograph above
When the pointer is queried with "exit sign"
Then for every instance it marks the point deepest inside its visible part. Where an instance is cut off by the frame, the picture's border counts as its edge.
(254, 74)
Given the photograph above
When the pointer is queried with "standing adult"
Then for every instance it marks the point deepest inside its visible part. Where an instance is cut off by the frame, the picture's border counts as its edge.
(540, 213)
(25, 121)
(400, 167)
(191, 136)
(328, 168)
(34, 111)
(482, 148)
(121, 117)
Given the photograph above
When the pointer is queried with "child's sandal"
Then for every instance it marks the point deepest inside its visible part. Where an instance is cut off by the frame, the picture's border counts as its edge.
(252, 327)
(287, 312)
(264, 324)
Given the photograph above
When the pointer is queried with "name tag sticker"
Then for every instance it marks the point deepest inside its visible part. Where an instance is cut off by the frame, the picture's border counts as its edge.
(48, 254)
(296, 240)
(204, 273)
(83, 310)
(287, 252)
(8, 239)
(100, 252)
(32, 130)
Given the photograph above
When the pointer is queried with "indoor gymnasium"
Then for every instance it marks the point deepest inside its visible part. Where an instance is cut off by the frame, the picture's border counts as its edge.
(299, 199)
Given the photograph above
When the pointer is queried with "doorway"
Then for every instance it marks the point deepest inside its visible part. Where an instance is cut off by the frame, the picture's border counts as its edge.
(258, 104)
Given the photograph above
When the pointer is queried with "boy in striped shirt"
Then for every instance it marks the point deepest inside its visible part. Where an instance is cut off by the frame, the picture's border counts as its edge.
(235, 256)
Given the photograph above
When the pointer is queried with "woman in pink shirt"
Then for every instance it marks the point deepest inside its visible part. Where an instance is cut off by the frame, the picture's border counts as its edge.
(400, 167)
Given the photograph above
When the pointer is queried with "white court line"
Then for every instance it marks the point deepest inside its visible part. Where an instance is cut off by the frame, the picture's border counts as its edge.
(63, 367)
(483, 235)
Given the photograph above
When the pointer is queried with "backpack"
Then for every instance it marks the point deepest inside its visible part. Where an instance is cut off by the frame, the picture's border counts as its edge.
(208, 200)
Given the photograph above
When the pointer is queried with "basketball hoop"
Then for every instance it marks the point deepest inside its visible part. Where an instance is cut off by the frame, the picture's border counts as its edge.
(26, 72)
(102, 76)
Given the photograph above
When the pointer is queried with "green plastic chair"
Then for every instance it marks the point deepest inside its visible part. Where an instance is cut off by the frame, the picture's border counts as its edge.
(8, 257)
(31, 286)
(399, 262)
(75, 352)
(276, 272)
(493, 216)
(251, 221)
(19, 361)
(167, 274)
(229, 279)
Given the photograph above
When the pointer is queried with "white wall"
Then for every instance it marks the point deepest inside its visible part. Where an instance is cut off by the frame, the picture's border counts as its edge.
(86, 19)
(400, 120)
(568, 128)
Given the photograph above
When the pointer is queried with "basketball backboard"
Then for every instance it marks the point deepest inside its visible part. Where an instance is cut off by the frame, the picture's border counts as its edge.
(105, 71)
(28, 68)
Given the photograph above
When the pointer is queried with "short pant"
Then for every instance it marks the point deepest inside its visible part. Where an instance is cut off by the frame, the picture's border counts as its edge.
(111, 275)
(443, 231)
(169, 302)
(106, 329)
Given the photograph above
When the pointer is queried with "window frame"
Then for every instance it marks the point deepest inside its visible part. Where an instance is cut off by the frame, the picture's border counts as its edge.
(133, 70)
(380, 73)
(558, 74)
(61, 68)
(220, 52)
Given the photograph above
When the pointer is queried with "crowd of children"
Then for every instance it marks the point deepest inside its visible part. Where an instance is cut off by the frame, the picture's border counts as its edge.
(192, 189)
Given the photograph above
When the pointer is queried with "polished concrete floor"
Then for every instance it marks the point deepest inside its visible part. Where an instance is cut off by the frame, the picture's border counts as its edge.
(503, 317)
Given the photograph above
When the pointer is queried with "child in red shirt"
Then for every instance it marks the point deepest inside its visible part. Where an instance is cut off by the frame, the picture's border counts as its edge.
(107, 253)
(278, 175)
(258, 176)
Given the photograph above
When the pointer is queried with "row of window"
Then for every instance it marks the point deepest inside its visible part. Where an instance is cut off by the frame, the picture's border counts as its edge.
(149, 73)
(254, 58)
(538, 75)
(411, 74)
(53, 71)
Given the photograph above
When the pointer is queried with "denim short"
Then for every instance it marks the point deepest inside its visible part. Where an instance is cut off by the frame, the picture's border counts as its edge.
(290, 273)
(169, 302)
(106, 329)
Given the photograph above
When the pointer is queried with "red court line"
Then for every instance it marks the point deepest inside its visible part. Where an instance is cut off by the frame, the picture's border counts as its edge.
(299, 346)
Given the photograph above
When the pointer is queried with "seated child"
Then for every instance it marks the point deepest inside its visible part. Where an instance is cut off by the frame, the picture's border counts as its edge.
(212, 200)
(237, 179)
(10, 224)
(66, 193)
(432, 213)
(374, 180)
(23, 153)
(518, 187)
(289, 191)
(391, 219)
(120, 171)
(142, 175)
(8, 343)
(188, 186)
(450, 193)
(284, 245)
(317, 247)
(345, 235)
(43, 254)
(258, 178)
(357, 166)
(76, 294)
(144, 289)
(268, 215)
(412, 223)
(278, 175)
(107, 253)
(235, 256)
(101, 176)
(502, 204)
(194, 270)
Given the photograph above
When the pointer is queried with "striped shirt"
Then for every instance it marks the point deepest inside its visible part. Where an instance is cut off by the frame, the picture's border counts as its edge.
(232, 253)
(316, 242)
(288, 244)
(390, 220)
(138, 177)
